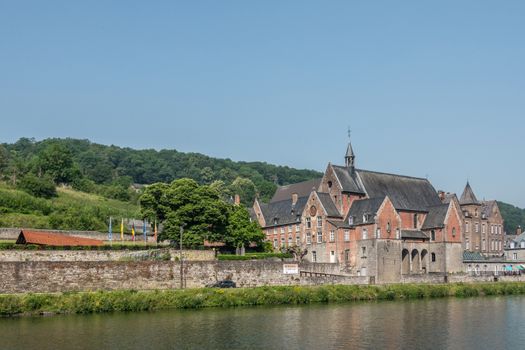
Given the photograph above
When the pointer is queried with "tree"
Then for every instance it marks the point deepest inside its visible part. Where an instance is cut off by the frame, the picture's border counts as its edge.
(56, 161)
(199, 208)
(241, 230)
(4, 160)
(245, 189)
(38, 186)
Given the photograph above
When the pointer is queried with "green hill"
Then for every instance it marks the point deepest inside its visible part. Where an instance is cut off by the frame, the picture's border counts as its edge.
(513, 216)
(70, 210)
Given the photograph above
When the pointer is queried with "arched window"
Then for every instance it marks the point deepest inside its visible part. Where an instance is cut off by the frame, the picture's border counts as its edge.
(388, 228)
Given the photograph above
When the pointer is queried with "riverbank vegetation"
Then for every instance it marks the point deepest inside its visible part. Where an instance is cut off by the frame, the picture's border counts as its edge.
(130, 300)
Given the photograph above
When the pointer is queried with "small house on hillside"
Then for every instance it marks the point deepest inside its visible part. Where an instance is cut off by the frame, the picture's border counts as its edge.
(54, 239)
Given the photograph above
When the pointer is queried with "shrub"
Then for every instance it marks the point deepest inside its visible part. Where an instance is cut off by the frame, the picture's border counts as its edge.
(43, 187)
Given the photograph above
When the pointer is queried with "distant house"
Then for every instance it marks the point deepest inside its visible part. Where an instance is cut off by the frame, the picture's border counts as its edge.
(54, 239)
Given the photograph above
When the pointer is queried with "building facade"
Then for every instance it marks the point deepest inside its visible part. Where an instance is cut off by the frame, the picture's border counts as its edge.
(482, 225)
(372, 223)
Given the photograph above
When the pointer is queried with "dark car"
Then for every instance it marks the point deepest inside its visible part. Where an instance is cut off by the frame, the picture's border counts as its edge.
(223, 284)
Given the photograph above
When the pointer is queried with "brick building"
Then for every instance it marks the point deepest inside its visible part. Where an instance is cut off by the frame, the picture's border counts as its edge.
(374, 224)
(482, 225)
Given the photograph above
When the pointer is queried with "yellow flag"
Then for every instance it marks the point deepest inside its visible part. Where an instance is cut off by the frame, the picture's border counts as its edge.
(122, 230)
(133, 231)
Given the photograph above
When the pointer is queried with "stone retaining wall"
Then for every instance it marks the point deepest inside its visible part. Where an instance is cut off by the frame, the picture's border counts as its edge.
(99, 255)
(40, 276)
(11, 233)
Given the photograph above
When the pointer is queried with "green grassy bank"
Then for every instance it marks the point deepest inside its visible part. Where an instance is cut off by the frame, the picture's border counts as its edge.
(129, 300)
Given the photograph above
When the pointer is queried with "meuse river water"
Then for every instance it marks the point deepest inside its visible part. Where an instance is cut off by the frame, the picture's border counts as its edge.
(473, 323)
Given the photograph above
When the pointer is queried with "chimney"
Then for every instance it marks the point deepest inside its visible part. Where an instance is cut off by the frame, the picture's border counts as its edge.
(237, 200)
(518, 230)
(441, 195)
(294, 198)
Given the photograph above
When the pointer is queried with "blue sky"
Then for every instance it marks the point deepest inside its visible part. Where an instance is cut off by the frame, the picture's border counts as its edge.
(431, 89)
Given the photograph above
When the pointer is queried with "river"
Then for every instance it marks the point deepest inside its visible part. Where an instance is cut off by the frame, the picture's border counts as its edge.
(473, 323)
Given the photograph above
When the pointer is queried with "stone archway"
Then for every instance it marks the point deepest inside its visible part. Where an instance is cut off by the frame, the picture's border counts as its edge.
(416, 263)
(405, 262)
(424, 261)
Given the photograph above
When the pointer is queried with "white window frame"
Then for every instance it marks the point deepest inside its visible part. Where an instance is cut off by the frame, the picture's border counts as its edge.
(319, 222)
(347, 235)
(378, 232)
(365, 233)
(308, 222)
(332, 236)
(320, 237)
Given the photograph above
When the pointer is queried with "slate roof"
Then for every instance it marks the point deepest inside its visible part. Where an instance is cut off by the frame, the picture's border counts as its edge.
(448, 197)
(473, 256)
(519, 238)
(283, 211)
(405, 192)
(303, 189)
(487, 208)
(328, 204)
(468, 196)
(348, 181)
(54, 239)
(413, 234)
(339, 223)
(436, 216)
(363, 206)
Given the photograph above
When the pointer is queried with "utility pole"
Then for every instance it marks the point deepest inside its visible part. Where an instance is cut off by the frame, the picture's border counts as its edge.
(180, 257)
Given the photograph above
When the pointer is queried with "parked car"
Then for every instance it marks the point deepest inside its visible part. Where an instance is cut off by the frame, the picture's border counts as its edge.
(223, 284)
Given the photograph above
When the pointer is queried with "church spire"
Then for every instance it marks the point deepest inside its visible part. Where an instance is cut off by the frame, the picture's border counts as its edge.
(350, 156)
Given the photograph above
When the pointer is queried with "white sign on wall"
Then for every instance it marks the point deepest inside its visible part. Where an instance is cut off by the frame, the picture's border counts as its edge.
(290, 269)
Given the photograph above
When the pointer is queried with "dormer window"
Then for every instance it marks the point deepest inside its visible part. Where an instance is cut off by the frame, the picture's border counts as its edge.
(365, 218)
(275, 221)
(329, 184)
(350, 220)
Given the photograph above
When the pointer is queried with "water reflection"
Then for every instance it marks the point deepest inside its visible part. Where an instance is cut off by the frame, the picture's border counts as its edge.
(476, 323)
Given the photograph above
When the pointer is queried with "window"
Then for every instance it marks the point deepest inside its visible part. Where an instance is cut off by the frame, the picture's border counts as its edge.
(522, 244)
(282, 242)
(314, 256)
(282, 229)
(433, 255)
(308, 238)
(332, 236)
(297, 227)
(319, 221)
(483, 228)
(365, 233)
(308, 223)
(378, 233)
(467, 244)
(466, 226)
(398, 233)
(363, 251)
(329, 184)
(290, 240)
(477, 227)
(275, 242)
(476, 213)
(275, 221)
(298, 240)
(347, 255)
(453, 232)
(290, 228)
(483, 244)
(492, 245)
(432, 235)
(512, 245)
(319, 237)
(492, 229)
(415, 220)
(515, 256)
(347, 235)
(350, 220)
(275, 230)
(388, 227)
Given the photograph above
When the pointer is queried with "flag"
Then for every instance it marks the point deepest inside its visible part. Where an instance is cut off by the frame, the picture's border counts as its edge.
(133, 231)
(145, 231)
(155, 230)
(110, 231)
(122, 230)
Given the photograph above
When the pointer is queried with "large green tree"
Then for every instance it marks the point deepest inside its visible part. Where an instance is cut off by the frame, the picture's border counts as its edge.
(241, 230)
(56, 160)
(199, 208)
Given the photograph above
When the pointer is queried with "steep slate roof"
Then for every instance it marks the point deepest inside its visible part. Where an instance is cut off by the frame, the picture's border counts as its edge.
(405, 192)
(473, 256)
(363, 206)
(302, 189)
(468, 196)
(348, 181)
(436, 216)
(488, 207)
(283, 211)
(328, 204)
(449, 197)
(54, 239)
(413, 234)
(519, 238)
